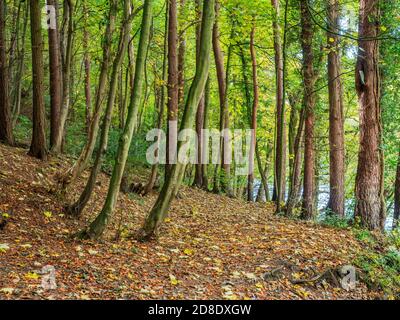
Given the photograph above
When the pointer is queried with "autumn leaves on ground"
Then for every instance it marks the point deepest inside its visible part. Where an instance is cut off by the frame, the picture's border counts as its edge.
(212, 247)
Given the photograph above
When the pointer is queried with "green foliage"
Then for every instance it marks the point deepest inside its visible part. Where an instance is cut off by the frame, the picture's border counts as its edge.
(380, 262)
(335, 221)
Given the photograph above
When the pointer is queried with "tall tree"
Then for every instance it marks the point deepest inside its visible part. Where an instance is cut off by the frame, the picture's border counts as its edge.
(307, 37)
(336, 118)
(81, 164)
(55, 79)
(77, 208)
(173, 88)
(171, 186)
(369, 194)
(87, 63)
(397, 197)
(38, 147)
(223, 83)
(66, 64)
(198, 176)
(181, 58)
(97, 227)
(250, 185)
(280, 157)
(6, 134)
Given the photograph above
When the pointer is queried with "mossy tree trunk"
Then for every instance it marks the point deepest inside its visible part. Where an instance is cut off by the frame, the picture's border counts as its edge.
(77, 207)
(172, 184)
(97, 227)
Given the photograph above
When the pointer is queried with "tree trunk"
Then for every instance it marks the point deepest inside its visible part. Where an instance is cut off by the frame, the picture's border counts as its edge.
(86, 58)
(55, 80)
(250, 185)
(17, 96)
(97, 227)
(6, 134)
(77, 207)
(336, 119)
(38, 145)
(206, 121)
(370, 207)
(81, 164)
(396, 217)
(172, 184)
(307, 36)
(223, 83)
(295, 178)
(280, 156)
(198, 176)
(181, 60)
(173, 89)
(66, 58)
(161, 106)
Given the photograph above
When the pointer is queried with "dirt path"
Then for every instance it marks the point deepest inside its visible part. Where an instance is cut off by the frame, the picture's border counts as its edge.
(211, 247)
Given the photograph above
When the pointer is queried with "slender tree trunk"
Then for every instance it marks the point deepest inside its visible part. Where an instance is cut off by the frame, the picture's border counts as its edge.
(173, 89)
(97, 227)
(198, 176)
(172, 184)
(6, 134)
(280, 157)
(204, 170)
(223, 83)
(336, 119)
(161, 106)
(309, 78)
(295, 178)
(55, 80)
(86, 58)
(77, 208)
(66, 57)
(181, 60)
(264, 172)
(397, 197)
(293, 126)
(17, 96)
(38, 146)
(81, 164)
(370, 206)
(250, 185)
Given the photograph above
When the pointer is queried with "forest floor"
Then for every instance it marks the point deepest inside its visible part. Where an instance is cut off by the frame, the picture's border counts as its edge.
(211, 246)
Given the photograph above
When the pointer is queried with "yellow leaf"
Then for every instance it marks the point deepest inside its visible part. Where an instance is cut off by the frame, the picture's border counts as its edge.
(32, 276)
(188, 252)
(5, 215)
(48, 214)
(173, 280)
(331, 40)
(383, 28)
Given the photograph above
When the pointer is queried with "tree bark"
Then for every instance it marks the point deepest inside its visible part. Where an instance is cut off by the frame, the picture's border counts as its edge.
(198, 175)
(370, 206)
(181, 60)
(250, 185)
(55, 81)
(172, 184)
(97, 227)
(336, 118)
(173, 88)
(77, 208)
(87, 63)
(38, 145)
(81, 164)
(295, 178)
(223, 83)
(6, 133)
(396, 217)
(307, 36)
(280, 156)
